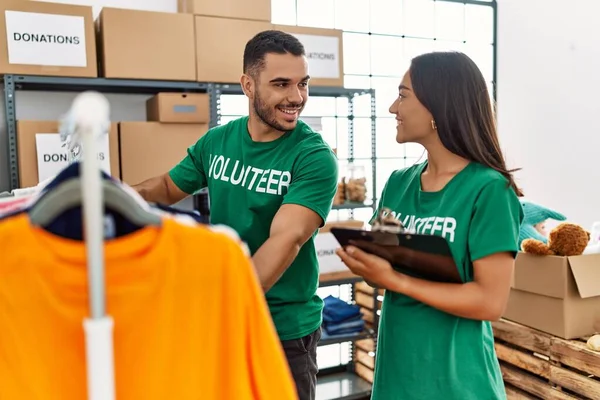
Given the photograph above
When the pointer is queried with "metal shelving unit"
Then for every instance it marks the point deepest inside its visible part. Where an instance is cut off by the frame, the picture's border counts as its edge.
(14, 83)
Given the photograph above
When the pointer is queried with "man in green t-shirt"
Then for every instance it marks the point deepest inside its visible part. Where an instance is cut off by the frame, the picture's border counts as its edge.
(273, 179)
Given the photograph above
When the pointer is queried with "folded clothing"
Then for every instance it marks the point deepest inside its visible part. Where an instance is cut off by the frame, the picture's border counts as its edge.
(341, 318)
(336, 310)
(353, 325)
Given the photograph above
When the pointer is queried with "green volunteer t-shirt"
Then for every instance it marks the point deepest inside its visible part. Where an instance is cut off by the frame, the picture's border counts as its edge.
(247, 182)
(424, 353)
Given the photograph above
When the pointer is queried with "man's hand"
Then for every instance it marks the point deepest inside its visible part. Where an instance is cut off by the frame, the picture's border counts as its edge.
(160, 189)
(292, 226)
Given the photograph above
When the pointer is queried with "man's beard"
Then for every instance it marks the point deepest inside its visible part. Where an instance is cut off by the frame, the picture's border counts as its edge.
(268, 114)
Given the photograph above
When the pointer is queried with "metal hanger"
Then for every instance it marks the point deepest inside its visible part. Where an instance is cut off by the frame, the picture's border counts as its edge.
(87, 120)
(69, 194)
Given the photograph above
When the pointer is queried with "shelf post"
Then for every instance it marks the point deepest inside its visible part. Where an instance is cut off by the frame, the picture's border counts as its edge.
(214, 98)
(374, 147)
(351, 135)
(11, 131)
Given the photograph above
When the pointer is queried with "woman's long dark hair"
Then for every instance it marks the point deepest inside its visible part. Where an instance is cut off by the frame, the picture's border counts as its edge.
(453, 89)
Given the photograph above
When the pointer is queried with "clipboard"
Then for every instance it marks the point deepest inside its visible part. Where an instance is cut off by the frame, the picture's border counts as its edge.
(422, 256)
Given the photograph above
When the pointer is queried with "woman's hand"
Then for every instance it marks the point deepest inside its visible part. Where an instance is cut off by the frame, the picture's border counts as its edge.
(375, 270)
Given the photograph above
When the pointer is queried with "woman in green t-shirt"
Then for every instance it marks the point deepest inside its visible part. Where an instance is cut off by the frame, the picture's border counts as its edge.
(435, 339)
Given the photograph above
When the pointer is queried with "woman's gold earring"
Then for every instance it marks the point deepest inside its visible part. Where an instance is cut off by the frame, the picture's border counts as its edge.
(433, 125)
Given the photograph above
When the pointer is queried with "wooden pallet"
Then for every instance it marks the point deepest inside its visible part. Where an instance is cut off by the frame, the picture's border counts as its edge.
(537, 365)
(363, 296)
(364, 350)
(364, 359)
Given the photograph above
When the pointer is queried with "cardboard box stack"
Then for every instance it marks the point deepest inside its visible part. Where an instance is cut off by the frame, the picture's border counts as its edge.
(203, 42)
(133, 151)
(41, 155)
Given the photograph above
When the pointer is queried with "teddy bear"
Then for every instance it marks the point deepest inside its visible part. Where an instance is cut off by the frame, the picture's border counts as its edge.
(566, 239)
(534, 221)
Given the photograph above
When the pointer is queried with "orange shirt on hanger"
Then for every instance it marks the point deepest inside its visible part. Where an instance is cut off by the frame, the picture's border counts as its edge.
(190, 319)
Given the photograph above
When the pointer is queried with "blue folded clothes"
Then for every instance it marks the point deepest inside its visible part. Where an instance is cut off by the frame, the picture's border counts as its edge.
(336, 310)
(353, 326)
(357, 317)
(341, 318)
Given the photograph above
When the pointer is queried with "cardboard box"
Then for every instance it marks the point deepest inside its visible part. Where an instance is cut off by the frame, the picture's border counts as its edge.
(258, 10)
(220, 44)
(40, 155)
(150, 149)
(179, 107)
(324, 50)
(326, 245)
(39, 38)
(556, 295)
(146, 45)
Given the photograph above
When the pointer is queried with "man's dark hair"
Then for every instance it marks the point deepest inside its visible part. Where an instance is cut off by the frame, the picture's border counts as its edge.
(270, 41)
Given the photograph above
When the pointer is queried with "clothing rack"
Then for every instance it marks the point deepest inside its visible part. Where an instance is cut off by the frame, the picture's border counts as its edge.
(84, 124)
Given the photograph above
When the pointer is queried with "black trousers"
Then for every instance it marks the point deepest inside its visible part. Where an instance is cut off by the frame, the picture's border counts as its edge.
(301, 355)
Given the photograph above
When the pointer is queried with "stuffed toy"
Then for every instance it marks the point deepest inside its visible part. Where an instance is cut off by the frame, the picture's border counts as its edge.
(565, 240)
(534, 221)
